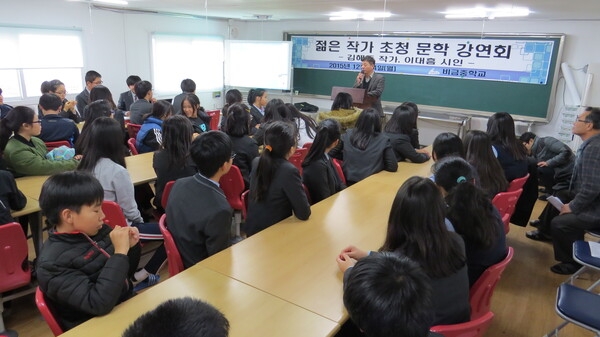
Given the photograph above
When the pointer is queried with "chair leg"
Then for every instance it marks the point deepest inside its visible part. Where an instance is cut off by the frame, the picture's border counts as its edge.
(555, 331)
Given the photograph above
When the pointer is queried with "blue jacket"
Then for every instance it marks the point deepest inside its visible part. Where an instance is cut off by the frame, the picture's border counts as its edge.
(149, 138)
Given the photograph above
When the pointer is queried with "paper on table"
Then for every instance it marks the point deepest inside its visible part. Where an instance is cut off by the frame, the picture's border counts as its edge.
(555, 202)
(595, 249)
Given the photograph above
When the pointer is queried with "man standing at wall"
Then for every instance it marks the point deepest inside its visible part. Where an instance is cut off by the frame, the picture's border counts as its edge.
(373, 83)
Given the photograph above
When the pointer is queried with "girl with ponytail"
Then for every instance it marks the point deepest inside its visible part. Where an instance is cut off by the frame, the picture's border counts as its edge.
(275, 184)
(318, 173)
(472, 214)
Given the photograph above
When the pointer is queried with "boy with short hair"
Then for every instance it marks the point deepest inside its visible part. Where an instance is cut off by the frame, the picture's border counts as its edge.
(180, 317)
(55, 127)
(92, 79)
(143, 106)
(198, 214)
(128, 97)
(84, 266)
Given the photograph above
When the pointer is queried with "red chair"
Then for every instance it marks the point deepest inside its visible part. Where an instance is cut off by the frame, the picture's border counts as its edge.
(215, 116)
(46, 311)
(166, 192)
(505, 202)
(517, 183)
(480, 295)
(133, 129)
(53, 145)
(473, 328)
(173, 256)
(113, 214)
(245, 199)
(14, 266)
(131, 145)
(233, 186)
(337, 164)
(307, 146)
(298, 157)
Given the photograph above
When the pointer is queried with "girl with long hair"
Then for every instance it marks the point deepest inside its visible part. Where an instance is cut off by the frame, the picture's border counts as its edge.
(257, 99)
(416, 230)
(190, 107)
(232, 97)
(102, 92)
(149, 138)
(105, 159)
(275, 110)
(275, 184)
(173, 160)
(364, 150)
(478, 152)
(307, 128)
(93, 111)
(318, 173)
(237, 127)
(472, 214)
(400, 129)
(510, 151)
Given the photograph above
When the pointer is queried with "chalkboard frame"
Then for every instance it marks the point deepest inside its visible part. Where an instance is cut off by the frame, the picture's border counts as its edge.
(319, 82)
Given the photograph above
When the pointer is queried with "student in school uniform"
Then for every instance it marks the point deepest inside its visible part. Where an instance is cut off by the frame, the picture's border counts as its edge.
(198, 214)
(318, 173)
(188, 86)
(232, 97)
(447, 144)
(57, 88)
(245, 148)
(275, 184)
(414, 136)
(55, 127)
(173, 160)
(24, 153)
(275, 110)
(128, 97)
(257, 99)
(364, 149)
(4, 108)
(307, 128)
(416, 230)
(102, 92)
(93, 111)
(84, 266)
(143, 106)
(10, 197)
(149, 138)
(92, 79)
(342, 110)
(105, 159)
(400, 129)
(472, 214)
(478, 152)
(190, 107)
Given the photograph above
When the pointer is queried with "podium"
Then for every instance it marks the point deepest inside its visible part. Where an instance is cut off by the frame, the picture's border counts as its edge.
(360, 98)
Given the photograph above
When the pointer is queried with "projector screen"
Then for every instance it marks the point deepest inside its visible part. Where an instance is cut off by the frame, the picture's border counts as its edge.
(258, 64)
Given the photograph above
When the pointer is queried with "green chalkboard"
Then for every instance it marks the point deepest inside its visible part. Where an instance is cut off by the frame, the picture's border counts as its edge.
(532, 101)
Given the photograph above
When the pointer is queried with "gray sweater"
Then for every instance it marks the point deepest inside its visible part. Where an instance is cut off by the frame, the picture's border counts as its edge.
(117, 185)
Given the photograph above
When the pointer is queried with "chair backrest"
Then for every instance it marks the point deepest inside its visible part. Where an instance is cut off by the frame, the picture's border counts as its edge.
(517, 183)
(53, 145)
(113, 214)
(307, 146)
(133, 129)
(14, 268)
(298, 157)
(173, 256)
(47, 314)
(131, 145)
(480, 295)
(214, 115)
(166, 191)
(245, 199)
(233, 186)
(40, 302)
(473, 328)
(506, 202)
(338, 168)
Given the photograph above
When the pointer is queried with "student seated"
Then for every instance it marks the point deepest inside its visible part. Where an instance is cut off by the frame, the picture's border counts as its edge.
(478, 152)
(447, 144)
(245, 148)
(149, 138)
(188, 86)
(55, 127)
(84, 266)
(318, 173)
(416, 229)
(472, 214)
(274, 111)
(342, 110)
(414, 136)
(185, 316)
(364, 150)
(399, 129)
(143, 106)
(190, 107)
(128, 97)
(93, 111)
(257, 99)
(275, 184)
(24, 153)
(387, 295)
(307, 128)
(10, 197)
(233, 96)
(57, 88)
(198, 214)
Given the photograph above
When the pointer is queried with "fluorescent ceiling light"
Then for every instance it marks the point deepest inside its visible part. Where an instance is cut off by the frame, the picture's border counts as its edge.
(353, 15)
(490, 13)
(113, 2)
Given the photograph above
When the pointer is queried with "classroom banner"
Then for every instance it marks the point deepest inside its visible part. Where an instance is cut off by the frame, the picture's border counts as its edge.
(494, 59)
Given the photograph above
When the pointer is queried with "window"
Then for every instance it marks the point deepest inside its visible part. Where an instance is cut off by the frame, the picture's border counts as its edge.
(31, 56)
(177, 57)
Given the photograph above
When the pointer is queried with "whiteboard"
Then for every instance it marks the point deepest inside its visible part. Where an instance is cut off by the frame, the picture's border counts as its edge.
(258, 64)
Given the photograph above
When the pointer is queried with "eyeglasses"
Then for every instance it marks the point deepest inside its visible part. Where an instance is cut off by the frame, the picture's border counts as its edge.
(97, 82)
(582, 120)
(37, 122)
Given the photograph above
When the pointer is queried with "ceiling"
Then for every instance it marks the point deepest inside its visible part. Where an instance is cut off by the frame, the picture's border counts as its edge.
(400, 9)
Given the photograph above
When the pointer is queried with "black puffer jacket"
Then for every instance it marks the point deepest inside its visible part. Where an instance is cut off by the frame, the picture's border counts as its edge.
(79, 279)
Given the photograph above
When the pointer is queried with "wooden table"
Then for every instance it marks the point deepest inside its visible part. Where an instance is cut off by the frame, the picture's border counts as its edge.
(250, 312)
(295, 260)
(140, 168)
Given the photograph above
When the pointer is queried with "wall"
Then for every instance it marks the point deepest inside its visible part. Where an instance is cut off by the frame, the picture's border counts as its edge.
(115, 44)
(580, 48)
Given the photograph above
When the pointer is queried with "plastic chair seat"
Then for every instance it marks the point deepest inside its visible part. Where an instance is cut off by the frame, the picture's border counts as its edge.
(578, 306)
(506, 202)
(298, 157)
(133, 129)
(173, 256)
(480, 294)
(515, 184)
(113, 214)
(46, 311)
(132, 147)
